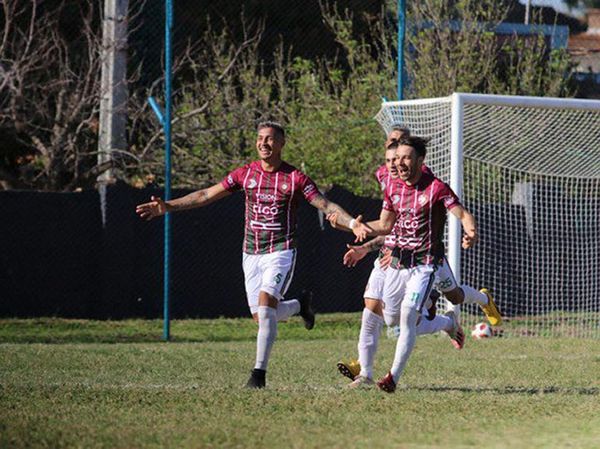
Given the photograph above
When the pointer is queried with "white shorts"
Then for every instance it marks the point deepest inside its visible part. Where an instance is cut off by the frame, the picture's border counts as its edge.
(408, 287)
(271, 273)
(374, 289)
(444, 277)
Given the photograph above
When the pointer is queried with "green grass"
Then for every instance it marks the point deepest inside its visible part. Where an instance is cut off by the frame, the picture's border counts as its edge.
(66, 383)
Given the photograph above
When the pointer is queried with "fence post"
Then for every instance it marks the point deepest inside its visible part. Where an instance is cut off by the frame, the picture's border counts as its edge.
(113, 87)
(167, 128)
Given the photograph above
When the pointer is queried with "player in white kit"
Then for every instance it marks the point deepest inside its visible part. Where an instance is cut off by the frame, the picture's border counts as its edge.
(272, 190)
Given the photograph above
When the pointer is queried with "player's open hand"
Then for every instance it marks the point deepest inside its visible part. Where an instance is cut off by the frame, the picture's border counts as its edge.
(386, 260)
(354, 255)
(332, 219)
(469, 239)
(360, 229)
(155, 208)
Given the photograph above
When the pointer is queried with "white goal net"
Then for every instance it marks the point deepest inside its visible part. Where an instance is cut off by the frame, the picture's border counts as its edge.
(529, 170)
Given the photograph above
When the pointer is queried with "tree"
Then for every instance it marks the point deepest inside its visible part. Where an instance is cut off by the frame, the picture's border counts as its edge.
(48, 95)
(469, 57)
(49, 91)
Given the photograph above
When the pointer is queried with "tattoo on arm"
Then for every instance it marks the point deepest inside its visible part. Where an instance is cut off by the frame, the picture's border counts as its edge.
(375, 244)
(194, 199)
(329, 207)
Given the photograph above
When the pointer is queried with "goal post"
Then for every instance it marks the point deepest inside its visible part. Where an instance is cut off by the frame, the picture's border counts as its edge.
(528, 168)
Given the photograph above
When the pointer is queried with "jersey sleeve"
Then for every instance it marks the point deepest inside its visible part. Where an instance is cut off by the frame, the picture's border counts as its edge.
(387, 201)
(308, 187)
(382, 176)
(235, 180)
(447, 196)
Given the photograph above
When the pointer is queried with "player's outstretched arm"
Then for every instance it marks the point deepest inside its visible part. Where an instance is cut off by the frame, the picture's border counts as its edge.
(342, 218)
(384, 225)
(356, 253)
(157, 207)
(469, 225)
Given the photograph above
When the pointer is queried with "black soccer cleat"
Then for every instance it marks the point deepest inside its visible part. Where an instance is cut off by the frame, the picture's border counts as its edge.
(306, 311)
(257, 379)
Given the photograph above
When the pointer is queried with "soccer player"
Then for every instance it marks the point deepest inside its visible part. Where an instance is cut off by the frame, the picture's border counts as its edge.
(414, 211)
(361, 371)
(445, 280)
(272, 189)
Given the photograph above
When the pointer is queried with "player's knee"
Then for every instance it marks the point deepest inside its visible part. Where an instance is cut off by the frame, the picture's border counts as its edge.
(374, 306)
(267, 299)
(408, 316)
(391, 319)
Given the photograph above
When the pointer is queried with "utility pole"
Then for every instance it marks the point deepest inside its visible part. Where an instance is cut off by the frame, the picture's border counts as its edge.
(527, 8)
(113, 94)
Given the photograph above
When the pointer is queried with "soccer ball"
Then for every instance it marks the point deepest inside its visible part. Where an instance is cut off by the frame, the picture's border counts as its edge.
(481, 330)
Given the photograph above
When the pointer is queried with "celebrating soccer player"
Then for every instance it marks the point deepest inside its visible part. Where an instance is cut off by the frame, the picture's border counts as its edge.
(272, 189)
(361, 370)
(414, 212)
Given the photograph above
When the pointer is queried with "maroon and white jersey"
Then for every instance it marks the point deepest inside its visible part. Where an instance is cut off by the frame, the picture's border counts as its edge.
(271, 202)
(384, 178)
(420, 217)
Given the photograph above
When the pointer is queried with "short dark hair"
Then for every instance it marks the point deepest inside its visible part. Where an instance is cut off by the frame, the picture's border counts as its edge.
(403, 129)
(393, 145)
(271, 124)
(416, 142)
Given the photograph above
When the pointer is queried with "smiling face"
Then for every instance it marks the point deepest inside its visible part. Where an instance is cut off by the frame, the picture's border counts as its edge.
(390, 158)
(269, 143)
(408, 163)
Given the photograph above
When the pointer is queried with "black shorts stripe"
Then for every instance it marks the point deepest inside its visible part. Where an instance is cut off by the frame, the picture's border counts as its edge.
(427, 290)
(289, 275)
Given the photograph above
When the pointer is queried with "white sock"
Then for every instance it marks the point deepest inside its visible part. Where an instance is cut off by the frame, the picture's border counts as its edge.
(406, 340)
(473, 296)
(267, 332)
(286, 309)
(370, 328)
(439, 323)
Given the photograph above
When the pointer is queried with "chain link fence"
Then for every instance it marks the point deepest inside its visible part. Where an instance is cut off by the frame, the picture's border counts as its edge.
(58, 259)
(85, 254)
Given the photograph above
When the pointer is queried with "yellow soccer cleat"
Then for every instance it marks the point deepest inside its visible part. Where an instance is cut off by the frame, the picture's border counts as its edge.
(350, 369)
(490, 309)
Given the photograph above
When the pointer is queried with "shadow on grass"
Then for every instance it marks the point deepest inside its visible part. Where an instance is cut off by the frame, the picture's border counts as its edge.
(71, 331)
(592, 391)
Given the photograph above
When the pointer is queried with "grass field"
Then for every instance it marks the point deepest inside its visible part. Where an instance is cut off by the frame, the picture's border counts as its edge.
(66, 383)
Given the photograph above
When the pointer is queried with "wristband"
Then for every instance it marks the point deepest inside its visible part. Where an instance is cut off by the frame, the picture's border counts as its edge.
(352, 223)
